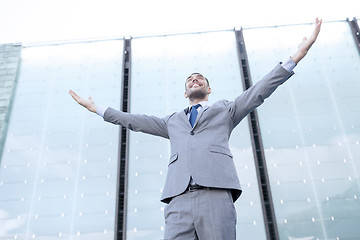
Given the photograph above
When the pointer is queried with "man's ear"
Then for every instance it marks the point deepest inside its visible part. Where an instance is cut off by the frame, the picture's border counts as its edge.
(209, 90)
(185, 95)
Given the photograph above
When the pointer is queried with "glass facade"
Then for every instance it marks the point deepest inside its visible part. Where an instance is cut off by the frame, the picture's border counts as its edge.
(58, 170)
(311, 132)
(59, 166)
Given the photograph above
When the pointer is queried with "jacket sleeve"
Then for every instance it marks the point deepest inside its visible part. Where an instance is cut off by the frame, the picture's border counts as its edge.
(256, 94)
(138, 123)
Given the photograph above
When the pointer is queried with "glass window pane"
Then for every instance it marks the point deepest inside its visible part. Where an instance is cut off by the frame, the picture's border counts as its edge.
(160, 68)
(311, 132)
(59, 164)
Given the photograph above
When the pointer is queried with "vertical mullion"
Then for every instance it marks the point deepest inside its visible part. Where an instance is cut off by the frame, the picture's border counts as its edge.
(10, 61)
(121, 201)
(356, 32)
(257, 145)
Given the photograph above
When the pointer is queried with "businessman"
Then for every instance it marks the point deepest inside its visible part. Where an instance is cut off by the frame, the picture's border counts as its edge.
(202, 183)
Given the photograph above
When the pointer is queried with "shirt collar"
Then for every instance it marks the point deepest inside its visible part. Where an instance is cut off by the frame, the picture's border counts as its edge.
(203, 104)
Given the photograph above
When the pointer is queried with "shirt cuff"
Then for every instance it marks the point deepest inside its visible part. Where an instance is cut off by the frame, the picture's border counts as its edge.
(289, 65)
(100, 111)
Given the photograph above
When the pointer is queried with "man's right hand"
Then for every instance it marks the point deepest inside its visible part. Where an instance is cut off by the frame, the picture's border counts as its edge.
(88, 104)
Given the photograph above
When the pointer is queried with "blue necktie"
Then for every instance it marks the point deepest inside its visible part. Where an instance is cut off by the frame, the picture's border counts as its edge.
(193, 114)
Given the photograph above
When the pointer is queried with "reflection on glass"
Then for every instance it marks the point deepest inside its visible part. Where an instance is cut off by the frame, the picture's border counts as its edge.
(311, 132)
(58, 169)
(159, 69)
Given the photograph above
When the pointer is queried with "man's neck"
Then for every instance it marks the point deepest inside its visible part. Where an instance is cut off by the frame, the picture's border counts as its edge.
(196, 101)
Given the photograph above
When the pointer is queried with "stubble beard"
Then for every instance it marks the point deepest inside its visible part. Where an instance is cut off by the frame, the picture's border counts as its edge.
(201, 94)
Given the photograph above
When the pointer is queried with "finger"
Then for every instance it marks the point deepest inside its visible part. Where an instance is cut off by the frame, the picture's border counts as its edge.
(318, 24)
(316, 31)
(318, 21)
(75, 96)
(72, 93)
(91, 100)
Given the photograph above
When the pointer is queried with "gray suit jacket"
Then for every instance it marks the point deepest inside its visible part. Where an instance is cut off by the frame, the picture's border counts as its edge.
(202, 152)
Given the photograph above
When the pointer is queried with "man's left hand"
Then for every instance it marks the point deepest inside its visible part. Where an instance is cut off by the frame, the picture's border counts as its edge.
(306, 43)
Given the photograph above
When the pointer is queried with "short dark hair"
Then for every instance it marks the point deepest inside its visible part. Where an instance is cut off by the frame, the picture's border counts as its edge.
(200, 75)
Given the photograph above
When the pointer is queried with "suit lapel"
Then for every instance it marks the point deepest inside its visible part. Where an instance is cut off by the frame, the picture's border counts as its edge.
(185, 117)
(199, 116)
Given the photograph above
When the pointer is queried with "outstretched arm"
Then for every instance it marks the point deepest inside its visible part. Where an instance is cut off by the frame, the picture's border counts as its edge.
(255, 96)
(306, 43)
(88, 104)
(135, 122)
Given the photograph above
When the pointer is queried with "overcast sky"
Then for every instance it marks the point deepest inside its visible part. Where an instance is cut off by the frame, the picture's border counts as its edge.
(32, 21)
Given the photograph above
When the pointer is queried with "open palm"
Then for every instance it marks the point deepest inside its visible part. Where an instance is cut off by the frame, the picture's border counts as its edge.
(88, 104)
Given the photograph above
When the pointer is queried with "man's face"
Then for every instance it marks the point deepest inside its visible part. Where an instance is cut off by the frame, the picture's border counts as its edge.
(196, 87)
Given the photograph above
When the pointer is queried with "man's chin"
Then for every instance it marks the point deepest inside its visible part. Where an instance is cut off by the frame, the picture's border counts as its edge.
(197, 95)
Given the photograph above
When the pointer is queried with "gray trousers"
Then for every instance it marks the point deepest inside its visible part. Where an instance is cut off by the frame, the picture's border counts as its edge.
(205, 214)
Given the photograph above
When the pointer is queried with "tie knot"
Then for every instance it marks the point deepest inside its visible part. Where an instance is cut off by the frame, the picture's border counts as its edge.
(196, 106)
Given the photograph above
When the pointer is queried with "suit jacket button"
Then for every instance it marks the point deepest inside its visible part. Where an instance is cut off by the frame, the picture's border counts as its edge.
(192, 133)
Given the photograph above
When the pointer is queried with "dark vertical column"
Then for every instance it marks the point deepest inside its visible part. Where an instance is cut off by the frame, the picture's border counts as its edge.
(355, 31)
(121, 202)
(257, 145)
(10, 57)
